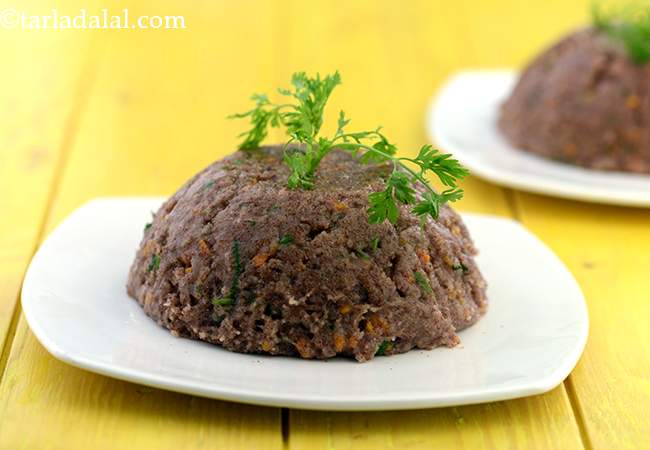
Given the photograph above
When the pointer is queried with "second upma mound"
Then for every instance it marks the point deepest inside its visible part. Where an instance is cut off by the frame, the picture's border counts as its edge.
(583, 102)
(236, 259)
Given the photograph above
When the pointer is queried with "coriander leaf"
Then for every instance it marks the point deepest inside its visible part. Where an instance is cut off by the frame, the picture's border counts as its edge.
(432, 201)
(400, 183)
(342, 123)
(382, 207)
(298, 162)
(302, 118)
(384, 149)
(306, 118)
(259, 117)
(447, 169)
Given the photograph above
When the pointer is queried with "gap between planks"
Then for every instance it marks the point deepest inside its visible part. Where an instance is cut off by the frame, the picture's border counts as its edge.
(286, 430)
(86, 78)
(513, 203)
(577, 412)
(85, 81)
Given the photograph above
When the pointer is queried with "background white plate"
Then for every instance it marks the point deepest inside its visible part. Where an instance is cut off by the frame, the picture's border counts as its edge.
(75, 302)
(462, 120)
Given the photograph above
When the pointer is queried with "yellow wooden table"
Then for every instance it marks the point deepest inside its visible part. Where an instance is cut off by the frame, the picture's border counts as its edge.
(135, 112)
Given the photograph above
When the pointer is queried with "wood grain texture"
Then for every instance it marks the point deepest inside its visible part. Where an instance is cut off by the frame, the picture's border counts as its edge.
(542, 422)
(41, 88)
(47, 405)
(156, 114)
(407, 49)
(607, 248)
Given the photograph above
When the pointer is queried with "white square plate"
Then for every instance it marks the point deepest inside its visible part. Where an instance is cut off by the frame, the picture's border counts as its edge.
(463, 121)
(75, 302)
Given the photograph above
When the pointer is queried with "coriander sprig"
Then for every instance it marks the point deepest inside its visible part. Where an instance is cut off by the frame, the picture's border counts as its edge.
(627, 22)
(303, 120)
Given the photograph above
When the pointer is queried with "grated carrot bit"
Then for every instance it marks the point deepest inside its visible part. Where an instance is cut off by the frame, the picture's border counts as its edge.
(632, 102)
(339, 342)
(260, 259)
(267, 346)
(424, 257)
(302, 345)
(570, 149)
(378, 322)
(369, 327)
(149, 247)
(344, 309)
(339, 206)
(204, 248)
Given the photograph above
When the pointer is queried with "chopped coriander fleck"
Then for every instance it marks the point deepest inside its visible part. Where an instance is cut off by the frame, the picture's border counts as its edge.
(222, 301)
(251, 223)
(462, 267)
(148, 224)
(218, 318)
(207, 185)
(229, 299)
(423, 283)
(154, 263)
(374, 244)
(383, 348)
(286, 239)
(361, 254)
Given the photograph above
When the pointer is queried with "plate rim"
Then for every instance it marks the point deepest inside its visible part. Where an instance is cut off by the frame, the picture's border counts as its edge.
(568, 189)
(312, 401)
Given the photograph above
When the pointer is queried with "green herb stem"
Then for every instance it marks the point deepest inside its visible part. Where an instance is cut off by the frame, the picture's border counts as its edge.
(303, 121)
(397, 163)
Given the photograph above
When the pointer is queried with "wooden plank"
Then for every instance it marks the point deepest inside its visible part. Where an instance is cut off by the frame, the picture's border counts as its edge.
(537, 423)
(156, 115)
(392, 56)
(40, 87)
(608, 250)
(509, 33)
(47, 404)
